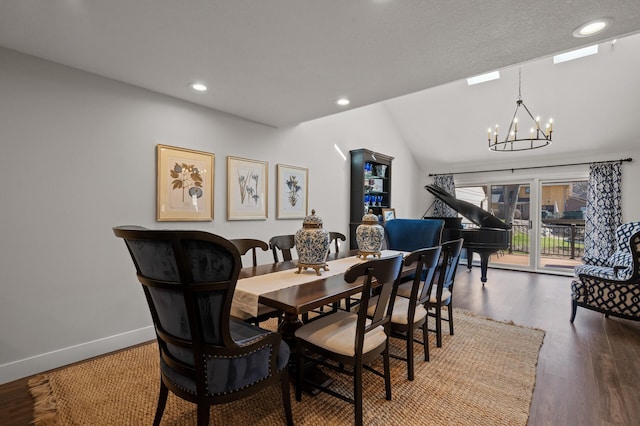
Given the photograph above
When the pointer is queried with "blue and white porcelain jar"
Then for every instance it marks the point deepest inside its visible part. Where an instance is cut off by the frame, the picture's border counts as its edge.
(312, 244)
(369, 236)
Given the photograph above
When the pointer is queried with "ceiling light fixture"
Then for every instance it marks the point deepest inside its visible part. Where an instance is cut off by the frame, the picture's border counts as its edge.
(537, 137)
(343, 102)
(591, 28)
(198, 87)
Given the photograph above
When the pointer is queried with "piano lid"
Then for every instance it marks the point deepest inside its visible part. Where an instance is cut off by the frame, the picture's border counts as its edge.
(475, 214)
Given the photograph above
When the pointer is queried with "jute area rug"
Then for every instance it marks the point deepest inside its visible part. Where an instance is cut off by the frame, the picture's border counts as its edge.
(483, 375)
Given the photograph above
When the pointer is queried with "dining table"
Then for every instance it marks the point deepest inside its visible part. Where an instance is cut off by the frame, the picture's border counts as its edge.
(281, 286)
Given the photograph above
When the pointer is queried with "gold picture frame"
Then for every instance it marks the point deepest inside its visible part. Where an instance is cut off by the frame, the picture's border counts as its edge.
(292, 192)
(247, 189)
(184, 189)
(388, 214)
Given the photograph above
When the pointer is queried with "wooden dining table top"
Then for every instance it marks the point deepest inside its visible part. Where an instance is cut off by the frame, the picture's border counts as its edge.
(303, 298)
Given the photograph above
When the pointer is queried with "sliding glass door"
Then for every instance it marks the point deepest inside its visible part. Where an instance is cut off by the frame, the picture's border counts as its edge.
(510, 202)
(546, 218)
(563, 205)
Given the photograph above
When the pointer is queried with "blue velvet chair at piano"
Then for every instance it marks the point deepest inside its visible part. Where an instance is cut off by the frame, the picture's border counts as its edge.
(413, 234)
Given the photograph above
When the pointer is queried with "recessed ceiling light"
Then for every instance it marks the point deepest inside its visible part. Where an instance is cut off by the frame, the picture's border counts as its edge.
(575, 54)
(591, 28)
(343, 102)
(483, 77)
(198, 87)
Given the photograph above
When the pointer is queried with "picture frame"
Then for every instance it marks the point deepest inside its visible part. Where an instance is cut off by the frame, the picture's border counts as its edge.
(184, 189)
(292, 192)
(388, 214)
(247, 189)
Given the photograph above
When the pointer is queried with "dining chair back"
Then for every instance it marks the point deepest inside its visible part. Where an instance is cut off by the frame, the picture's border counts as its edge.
(245, 244)
(205, 356)
(409, 313)
(335, 238)
(347, 342)
(442, 294)
(284, 244)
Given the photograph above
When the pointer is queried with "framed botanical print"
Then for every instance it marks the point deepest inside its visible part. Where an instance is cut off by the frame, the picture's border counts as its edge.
(292, 192)
(184, 190)
(246, 189)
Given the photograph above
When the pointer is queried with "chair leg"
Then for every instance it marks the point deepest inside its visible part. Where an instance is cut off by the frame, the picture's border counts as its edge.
(574, 308)
(425, 338)
(286, 398)
(439, 326)
(410, 353)
(450, 309)
(387, 371)
(299, 372)
(357, 393)
(203, 415)
(162, 402)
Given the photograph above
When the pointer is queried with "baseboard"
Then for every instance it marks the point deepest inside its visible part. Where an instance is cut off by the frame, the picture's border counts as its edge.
(44, 362)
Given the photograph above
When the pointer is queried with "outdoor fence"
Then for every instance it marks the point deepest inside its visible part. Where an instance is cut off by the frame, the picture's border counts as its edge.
(563, 241)
(556, 240)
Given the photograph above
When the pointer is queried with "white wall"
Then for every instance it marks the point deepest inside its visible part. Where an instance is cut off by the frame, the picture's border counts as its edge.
(78, 157)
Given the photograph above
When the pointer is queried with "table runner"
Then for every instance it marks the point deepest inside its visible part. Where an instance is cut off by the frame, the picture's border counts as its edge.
(248, 290)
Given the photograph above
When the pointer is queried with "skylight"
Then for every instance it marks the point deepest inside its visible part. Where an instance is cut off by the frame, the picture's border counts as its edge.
(575, 54)
(483, 78)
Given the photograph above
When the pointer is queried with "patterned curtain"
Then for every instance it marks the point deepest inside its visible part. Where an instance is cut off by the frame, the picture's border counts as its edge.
(440, 209)
(604, 212)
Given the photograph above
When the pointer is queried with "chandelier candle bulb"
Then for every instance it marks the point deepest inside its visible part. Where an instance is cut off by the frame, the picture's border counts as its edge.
(515, 123)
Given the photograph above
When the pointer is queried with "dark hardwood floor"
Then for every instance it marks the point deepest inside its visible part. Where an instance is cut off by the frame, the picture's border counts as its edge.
(588, 372)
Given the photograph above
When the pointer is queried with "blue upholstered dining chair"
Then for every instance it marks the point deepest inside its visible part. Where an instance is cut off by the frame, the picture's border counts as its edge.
(413, 234)
(206, 356)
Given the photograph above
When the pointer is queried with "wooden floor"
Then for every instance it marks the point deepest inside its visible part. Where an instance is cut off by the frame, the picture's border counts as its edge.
(588, 372)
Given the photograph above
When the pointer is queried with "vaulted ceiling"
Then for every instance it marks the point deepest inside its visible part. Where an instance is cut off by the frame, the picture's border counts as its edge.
(282, 62)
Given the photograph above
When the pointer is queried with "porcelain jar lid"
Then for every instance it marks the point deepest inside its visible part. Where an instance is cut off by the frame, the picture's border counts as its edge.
(312, 221)
(370, 218)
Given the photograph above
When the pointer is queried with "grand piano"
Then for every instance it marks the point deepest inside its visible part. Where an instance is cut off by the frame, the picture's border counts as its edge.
(491, 236)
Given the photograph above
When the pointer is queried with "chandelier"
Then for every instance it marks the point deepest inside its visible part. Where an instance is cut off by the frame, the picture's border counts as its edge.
(536, 137)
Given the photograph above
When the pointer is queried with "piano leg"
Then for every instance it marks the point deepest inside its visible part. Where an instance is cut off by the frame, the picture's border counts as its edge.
(484, 263)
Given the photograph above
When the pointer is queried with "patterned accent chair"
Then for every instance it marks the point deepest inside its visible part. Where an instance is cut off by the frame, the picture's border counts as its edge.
(611, 286)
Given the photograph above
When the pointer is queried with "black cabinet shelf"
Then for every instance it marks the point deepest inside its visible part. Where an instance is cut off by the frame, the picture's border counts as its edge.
(368, 179)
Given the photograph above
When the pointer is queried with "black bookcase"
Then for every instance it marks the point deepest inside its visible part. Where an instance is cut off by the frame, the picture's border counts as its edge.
(370, 187)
